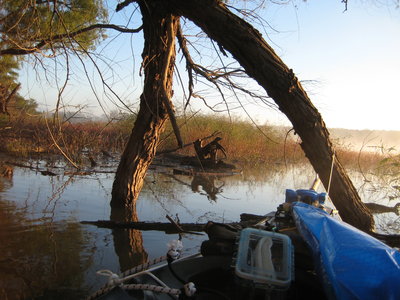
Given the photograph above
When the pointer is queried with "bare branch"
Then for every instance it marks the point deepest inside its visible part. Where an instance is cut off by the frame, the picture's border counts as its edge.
(23, 51)
(166, 65)
(189, 61)
(123, 4)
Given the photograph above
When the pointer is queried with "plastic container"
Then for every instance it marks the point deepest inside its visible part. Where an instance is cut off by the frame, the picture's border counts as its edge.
(264, 259)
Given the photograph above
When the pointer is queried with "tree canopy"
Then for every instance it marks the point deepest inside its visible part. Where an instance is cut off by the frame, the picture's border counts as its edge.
(47, 26)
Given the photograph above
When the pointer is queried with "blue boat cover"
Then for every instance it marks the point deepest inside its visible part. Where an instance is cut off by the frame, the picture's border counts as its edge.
(350, 263)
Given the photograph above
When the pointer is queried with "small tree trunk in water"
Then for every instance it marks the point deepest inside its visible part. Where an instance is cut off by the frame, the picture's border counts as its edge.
(261, 63)
(159, 30)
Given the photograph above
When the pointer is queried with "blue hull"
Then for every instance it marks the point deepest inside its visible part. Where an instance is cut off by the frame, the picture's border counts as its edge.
(351, 263)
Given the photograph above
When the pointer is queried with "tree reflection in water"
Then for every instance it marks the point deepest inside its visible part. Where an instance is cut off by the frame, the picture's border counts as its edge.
(208, 185)
(40, 257)
(202, 184)
(128, 243)
(38, 260)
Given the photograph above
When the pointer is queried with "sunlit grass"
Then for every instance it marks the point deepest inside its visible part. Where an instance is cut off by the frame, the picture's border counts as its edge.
(243, 141)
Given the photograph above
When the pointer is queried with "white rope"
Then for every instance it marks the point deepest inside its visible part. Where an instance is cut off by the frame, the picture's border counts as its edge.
(153, 288)
(330, 174)
(143, 267)
(174, 251)
(98, 293)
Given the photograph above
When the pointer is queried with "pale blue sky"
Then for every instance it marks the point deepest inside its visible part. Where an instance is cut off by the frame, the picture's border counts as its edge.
(352, 58)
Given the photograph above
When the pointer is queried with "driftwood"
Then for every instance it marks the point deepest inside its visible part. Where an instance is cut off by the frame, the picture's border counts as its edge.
(188, 144)
(209, 151)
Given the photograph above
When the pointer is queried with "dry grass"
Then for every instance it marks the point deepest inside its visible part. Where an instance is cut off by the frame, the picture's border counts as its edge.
(39, 135)
(243, 141)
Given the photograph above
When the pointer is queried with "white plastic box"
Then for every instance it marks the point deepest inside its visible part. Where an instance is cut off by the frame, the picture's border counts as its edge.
(264, 259)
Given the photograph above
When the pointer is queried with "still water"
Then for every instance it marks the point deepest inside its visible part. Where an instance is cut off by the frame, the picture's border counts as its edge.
(46, 253)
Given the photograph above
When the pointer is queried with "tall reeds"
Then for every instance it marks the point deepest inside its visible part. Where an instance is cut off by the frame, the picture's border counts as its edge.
(242, 140)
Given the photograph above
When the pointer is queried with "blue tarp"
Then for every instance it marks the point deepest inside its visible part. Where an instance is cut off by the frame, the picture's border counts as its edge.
(351, 263)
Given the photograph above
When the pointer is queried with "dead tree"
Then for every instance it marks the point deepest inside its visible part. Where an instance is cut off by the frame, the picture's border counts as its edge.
(209, 151)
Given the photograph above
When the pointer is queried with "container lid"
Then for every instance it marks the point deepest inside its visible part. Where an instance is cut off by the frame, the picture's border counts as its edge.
(264, 257)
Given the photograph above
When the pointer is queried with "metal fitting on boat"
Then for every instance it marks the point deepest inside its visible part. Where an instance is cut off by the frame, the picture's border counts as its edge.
(113, 279)
(190, 289)
(175, 248)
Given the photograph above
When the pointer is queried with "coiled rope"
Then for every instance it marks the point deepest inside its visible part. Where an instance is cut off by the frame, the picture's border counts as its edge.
(175, 248)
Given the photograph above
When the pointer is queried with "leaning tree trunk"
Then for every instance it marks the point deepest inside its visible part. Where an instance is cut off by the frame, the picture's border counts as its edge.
(159, 30)
(261, 63)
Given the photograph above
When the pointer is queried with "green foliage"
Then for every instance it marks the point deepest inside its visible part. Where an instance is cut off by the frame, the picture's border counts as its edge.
(48, 25)
(8, 70)
(8, 81)
(25, 23)
(23, 105)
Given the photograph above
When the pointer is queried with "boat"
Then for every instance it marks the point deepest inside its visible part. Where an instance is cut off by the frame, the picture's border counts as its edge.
(301, 251)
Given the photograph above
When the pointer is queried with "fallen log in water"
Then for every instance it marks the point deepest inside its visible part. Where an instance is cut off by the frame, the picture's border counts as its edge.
(193, 228)
(173, 227)
(167, 227)
(392, 240)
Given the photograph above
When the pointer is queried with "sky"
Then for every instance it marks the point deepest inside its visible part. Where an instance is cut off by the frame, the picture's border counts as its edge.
(352, 57)
(348, 60)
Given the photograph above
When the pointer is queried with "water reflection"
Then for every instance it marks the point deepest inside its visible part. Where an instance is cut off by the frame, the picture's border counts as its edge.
(207, 183)
(203, 184)
(39, 260)
(128, 243)
(46, 253)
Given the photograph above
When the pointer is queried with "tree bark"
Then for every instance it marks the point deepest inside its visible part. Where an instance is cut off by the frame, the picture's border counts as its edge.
(159, 29)
(261, 63)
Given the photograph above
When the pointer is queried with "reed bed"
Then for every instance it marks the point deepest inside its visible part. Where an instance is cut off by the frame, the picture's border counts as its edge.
(243, 141)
